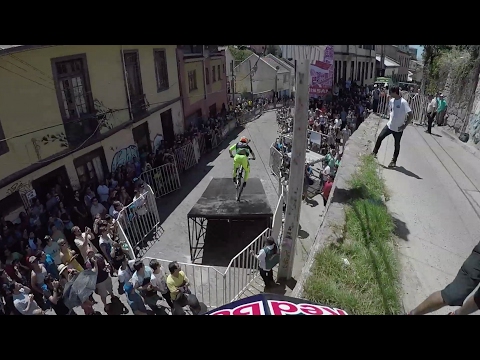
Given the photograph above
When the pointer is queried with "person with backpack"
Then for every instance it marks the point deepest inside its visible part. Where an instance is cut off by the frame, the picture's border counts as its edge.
(268, 258)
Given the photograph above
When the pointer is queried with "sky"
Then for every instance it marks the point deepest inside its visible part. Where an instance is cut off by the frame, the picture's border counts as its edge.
(420, 50)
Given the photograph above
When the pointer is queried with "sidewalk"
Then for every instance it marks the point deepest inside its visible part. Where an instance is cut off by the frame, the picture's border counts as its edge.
(435, 201)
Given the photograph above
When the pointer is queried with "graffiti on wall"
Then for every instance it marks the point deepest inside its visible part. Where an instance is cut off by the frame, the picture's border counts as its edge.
(58, 137)
(157, 142)
(123, 156)
(105, 115)
(21, 187)
(474, 124)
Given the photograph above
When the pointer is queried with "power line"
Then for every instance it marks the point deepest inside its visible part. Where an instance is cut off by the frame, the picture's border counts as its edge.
(26, 78)
(258, 59)
(30, 65)
(110, 111)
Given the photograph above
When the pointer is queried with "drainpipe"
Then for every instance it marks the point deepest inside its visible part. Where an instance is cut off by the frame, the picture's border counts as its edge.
(126, 84)
(204, 63)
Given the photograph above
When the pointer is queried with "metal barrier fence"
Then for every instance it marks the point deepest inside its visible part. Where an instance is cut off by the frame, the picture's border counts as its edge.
(243, 268)
(419, 103)
(139, 223)
(163, 179)
(185, 157)
(206, 282)
(275, 161)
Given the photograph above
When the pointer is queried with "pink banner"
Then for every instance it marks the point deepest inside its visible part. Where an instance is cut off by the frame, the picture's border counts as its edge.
(321, 74)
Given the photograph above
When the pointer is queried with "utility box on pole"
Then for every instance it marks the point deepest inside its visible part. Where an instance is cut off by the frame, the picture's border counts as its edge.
(297, 171)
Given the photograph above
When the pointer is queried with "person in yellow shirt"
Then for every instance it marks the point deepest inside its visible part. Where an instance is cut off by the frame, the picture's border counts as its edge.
(177, 281)
(68, 256)
(178, 285)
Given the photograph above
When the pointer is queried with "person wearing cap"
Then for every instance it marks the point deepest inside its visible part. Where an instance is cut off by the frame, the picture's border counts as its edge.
(441, 109)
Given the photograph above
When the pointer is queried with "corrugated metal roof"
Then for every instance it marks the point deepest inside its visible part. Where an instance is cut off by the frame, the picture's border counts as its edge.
(4, 47)
(280, 62)
(273, 63)
(388, 62)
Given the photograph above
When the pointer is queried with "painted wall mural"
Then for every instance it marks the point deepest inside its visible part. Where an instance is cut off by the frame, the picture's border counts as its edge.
(104, 114)
(124, 156)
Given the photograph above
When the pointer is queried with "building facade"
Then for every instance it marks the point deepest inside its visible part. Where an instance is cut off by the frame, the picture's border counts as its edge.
(401, 55)
(203, 75)
(79, 112)
(355, 63)
(269, 77)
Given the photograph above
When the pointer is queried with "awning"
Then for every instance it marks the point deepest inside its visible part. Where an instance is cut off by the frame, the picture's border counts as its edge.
(388, 62)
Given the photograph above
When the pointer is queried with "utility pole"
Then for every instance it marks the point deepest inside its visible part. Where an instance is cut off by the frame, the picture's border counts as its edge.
(382, 61)
(296, 173)
(232, 87)
(251, 80)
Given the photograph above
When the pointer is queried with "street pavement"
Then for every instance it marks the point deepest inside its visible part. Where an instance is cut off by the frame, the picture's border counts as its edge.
(435, 201)
(173, 208)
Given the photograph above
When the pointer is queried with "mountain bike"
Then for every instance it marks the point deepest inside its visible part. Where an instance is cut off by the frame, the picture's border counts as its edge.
(239, 183)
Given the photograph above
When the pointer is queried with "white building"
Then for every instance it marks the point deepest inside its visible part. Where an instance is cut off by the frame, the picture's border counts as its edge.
(268, 76)
(355, 63)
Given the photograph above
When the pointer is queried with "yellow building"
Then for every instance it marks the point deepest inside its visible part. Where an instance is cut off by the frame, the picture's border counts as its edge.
(79, 112)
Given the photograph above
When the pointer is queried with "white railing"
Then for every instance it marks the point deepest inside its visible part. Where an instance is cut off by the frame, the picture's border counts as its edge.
(185, 157)
(243, 268)
(206, 282)
(163, 179)
(275, 161)
(382, 109)
(419, 104)
(139, 222)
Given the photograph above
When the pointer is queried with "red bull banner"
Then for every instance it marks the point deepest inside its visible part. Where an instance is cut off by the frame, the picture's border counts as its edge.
(321, 74)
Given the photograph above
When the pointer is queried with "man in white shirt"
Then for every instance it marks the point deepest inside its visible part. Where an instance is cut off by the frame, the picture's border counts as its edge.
(23, 300)
(400, 116)
(431, 112)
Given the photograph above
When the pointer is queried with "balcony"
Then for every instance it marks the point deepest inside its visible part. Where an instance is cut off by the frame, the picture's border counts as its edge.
(77, 132)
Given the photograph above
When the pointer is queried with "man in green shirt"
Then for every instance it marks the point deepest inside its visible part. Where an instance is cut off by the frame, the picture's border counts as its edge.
(441, 109)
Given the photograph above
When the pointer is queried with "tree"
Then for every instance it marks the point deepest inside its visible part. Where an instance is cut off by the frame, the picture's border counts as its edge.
(239, 55)
(274, 50)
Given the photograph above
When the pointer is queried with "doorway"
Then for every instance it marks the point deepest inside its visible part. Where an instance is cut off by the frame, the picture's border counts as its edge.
(141, 136)
(91, 168)
(43, 184)
(213, 110)
(167, 126)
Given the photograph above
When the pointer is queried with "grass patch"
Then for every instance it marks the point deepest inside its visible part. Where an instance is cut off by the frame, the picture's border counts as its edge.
(360, 275)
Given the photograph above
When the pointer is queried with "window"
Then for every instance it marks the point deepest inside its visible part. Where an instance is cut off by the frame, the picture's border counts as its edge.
(285, 78)
(74, 96)
(91, 168)
(352, 70)
(371, 70)
(192, 80)
(366, 70)
(134, 81)
(344, 70)
(207, 76)
(3, 143)
(219, 73)
(192, 49)
(358, 70)
(213, 74)
(161, 69)
(71, 81)
(223, 68)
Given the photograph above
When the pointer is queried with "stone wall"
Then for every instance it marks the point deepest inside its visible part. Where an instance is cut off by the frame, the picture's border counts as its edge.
(360, 143)
(463, 113)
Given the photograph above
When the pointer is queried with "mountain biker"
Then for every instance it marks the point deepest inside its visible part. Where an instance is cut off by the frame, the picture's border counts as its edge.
(242, 152)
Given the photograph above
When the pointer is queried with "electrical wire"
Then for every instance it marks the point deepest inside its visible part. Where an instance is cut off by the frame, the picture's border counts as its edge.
(258, 59)
(26, 78)
(71, 151)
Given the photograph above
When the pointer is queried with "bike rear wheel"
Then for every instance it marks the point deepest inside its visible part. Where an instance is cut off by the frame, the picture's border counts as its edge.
(239, 184)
